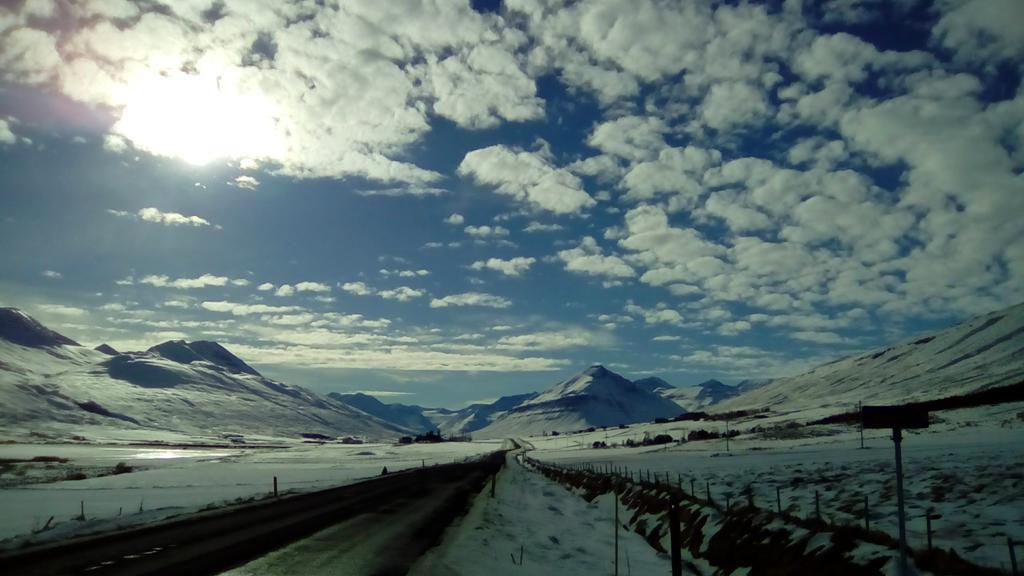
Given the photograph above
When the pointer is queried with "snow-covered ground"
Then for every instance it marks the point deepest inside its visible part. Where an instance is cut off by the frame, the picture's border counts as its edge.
(969, 469)
(557, 531)
(172, 481)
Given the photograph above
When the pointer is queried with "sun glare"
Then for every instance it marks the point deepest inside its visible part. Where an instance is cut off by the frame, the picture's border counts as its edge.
(199, 118)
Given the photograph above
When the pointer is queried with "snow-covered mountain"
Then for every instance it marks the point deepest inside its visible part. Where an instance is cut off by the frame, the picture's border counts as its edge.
(405, 416)
(753, 384)
(50, 383)
(475, 416)
(701, 396)
(981, 353)
(653, 384)
(595, 397)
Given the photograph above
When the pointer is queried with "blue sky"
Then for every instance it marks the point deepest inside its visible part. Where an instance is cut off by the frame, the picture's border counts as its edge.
(444, 203)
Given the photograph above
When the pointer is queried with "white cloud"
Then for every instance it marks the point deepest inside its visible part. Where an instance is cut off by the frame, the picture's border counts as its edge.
(357, 288)
(52, 274)
(588, 259)
(7, 136)
(265, 287)
(535, 226)
(634, 138)
(471, 299)
(481, 86)
(62, 310)
(511, 267)
(556, 340)
(247, 182)
(486, 231)
(312, 287)
(528, 177)
(396, 357)
(285, 290)
(402, 294)
(981, 31)
(405, 273)
(277, 82)
(163, 281)
(455, 219)
(732, 104)
(159, 217)
(238, 309)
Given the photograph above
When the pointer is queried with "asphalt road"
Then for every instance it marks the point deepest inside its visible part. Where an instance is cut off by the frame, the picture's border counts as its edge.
(376, 527)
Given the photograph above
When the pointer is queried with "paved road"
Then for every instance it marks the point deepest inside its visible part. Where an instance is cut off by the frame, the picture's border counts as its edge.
(375, 527)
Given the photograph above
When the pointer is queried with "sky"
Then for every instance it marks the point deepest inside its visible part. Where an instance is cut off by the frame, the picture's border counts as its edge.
(443, 202)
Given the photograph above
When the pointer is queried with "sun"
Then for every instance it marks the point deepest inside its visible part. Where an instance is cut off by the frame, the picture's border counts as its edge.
(199, 117)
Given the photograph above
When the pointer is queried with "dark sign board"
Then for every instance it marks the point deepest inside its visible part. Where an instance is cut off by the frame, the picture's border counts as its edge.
(894, 417)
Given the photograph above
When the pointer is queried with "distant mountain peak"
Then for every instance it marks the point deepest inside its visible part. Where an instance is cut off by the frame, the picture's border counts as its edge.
(202, 350)
(597, 370)
(653, 384)
(106, 349)
(712, 383)
(19, 328)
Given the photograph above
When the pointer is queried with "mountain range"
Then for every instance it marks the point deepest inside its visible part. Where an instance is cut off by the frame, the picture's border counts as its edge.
(49, 382)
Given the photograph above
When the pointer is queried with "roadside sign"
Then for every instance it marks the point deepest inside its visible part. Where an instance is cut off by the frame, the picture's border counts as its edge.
(897, 418)
(894, 417)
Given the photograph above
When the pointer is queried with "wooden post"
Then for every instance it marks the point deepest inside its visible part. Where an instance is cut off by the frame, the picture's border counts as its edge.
(82, 515)
(616, 533)
(778, 500)
(275, 486)
(728, 502)
(707, 488)
(897, 440)
(817, 505)
(859, 409)
(726, 434)
(928, 527)
(693, 492)
(675, 540)
(867, 515)
(1013, 556)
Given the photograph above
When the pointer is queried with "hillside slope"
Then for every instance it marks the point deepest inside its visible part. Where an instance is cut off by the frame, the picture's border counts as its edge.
(198, 388)
(981, 353)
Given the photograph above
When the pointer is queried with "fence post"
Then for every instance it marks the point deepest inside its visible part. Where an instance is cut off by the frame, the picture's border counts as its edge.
(928, 527)
(693, 492)
(674, 540)
(616, 533)
(82, 515)
(778, 499)
(707, 488)
(275, 486)
(1013, 556)
(867, 515)
(817, 505)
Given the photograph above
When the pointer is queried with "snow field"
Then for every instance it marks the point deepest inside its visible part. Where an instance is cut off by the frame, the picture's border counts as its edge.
(170, 482)
(559, 532)
(971, 476)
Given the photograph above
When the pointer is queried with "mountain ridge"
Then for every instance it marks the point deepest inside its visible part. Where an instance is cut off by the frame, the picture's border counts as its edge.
(194, 388)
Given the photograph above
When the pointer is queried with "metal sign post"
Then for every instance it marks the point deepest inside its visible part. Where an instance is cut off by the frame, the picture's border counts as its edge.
(897, 418)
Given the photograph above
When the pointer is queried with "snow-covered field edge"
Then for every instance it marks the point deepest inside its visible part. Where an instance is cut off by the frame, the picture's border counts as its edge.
(734, 538)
